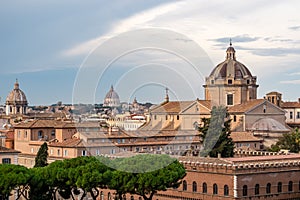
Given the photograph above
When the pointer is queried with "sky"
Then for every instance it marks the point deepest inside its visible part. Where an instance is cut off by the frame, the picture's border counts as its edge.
(73, 51)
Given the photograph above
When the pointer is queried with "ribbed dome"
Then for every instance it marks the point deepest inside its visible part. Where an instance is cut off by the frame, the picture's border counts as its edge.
(16, 96)
(112, 98)
(268, 124)
(230, 67)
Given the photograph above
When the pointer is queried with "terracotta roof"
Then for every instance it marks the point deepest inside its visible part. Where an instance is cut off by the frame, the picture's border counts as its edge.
(171, 107)
(244, 107)
(71, 142)
(273, 93)
(7, 150)
(43, 123)
(244, 137)
(205, 103)
(294, 104)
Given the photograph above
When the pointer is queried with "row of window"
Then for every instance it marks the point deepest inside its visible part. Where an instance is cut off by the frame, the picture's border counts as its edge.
(292, 115)
(268, 188)
(204, 188)
(257, 188)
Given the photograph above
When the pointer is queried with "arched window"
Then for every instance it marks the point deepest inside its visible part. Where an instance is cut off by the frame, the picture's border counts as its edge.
(109, 196)
(256, 189)
(290, 187)
(226, 190)
(184, 185)
(268, 188)
(215, 189)
(204, 188)
(194, 186)
(245, 190)
(279, 187)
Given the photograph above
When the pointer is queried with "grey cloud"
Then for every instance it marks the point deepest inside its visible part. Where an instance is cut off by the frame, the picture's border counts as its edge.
(270, 39)
(238, 38)
(295, 28)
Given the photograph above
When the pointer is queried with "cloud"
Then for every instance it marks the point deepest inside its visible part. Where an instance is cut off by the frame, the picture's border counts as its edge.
(295, 28)
(271, 51)
(238, 38)
(294, 74)
(270, 39)
(291, 82)
(136, 21)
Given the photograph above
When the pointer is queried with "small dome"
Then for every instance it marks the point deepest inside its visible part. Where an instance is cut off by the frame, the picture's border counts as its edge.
(112, 98)
(16, 96)
(230, 67)
(268, 124)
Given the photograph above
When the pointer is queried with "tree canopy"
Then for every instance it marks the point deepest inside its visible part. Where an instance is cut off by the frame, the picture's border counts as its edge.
(143, 175)
(216, 134)
(41, 159)
(289, 141)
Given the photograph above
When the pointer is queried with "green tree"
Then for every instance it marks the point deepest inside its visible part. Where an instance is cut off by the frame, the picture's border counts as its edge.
(215, 135)
(42, 156)
(146, 174)
(13, 177)
(289, 141)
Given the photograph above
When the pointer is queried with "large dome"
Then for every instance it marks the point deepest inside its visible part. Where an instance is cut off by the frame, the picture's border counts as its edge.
(112, 98)
(16, 96)
(231, 67)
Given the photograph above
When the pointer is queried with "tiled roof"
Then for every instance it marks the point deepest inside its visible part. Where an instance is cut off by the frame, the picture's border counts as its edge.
(294, 104)
(244, 107)
(171, 107)
(7, 150)
(42, 123)
(244, 137)
(205, 103)
(71, 142)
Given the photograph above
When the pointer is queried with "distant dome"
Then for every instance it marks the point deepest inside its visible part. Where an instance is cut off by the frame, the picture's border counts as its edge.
(268, 124)
(112, 98)
(16, 101)
(231, 67)
(16, 96)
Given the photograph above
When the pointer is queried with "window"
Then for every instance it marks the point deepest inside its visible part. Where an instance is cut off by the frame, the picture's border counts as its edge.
(226, 190)
(279, 187)
(204, 188)
(273, 100)
(6, 160)
(194, 186)
(184, 185)
(154, 117)
(229, 99)
(58, 152)
(177, 117)
(40, 134)
(101, 195)
(51, 151)
(290, 187)
(264, 108)
(53, 133)
(229, 81)
(25, 135)
(212, 82)
(97, 152)
(66, 153)
(245, 190)
(234, 118)
(256, 189)
(248, 82)
(215, 189)
(268, 188)
(291, 115)
(109, 196)
(298, 115)
(83, 152)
